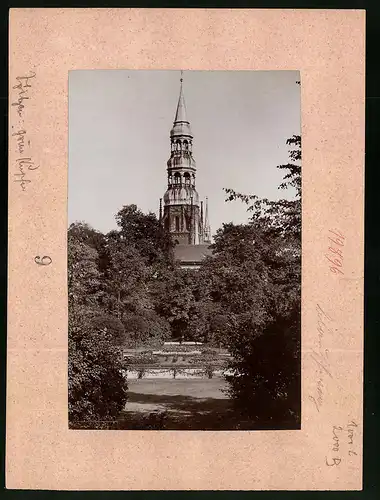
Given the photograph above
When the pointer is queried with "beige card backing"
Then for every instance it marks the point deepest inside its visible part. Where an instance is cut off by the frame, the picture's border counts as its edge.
(327, 46)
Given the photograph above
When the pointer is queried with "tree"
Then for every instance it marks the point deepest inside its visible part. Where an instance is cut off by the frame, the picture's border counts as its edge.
(175, 300)
(146, 234)
(125, 277)
(102, 321)
(283, 216)
(265, 384)
(97, 388)
(84, 233)
(145, 328)
(258, 282)
(238, 281)
(83, 275)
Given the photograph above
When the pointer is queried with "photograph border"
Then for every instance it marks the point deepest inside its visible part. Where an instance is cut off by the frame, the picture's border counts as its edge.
(367, 341)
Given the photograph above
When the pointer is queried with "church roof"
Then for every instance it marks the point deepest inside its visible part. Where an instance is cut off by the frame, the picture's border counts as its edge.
(192, 253)
(181, 125)
(180, 115)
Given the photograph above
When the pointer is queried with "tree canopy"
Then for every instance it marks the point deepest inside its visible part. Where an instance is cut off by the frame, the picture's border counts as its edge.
(126, 290)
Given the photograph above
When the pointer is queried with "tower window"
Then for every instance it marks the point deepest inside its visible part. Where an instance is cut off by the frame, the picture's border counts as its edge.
(186, 176)
(186, 144)
(178, 144)
(177, 224)
(177, 178)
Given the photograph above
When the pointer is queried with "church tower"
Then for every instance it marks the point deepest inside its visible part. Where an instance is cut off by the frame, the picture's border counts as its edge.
(183, 212)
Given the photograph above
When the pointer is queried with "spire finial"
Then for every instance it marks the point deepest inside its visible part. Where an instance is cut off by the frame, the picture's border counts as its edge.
(181, 79)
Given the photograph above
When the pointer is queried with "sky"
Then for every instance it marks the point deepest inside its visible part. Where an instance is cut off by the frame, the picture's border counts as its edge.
(119, 125)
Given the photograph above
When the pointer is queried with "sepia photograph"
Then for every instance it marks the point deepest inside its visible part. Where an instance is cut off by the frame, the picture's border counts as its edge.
(184, 250)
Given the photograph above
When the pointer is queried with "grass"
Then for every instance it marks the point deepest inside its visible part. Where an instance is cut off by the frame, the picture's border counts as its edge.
(179, 405)
(197, 388)
(169, 404)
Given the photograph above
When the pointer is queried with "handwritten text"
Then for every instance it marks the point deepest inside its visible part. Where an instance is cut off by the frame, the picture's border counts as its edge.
(334, 253)
(319, 355)
(24, 163)
(23, 85)
(342, 443)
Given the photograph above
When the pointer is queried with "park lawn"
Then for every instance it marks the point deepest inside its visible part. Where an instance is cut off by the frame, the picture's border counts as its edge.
(195, 388)
(198, 404)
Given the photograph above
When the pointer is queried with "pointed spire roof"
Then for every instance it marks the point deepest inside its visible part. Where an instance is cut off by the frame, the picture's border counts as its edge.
(206, 214)
(207, 230)
(180, 115)
(181, 125)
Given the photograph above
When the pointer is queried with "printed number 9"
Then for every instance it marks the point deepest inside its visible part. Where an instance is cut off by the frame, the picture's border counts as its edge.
(42, 261)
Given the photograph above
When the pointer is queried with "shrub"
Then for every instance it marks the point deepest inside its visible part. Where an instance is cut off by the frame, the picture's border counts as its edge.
(209, 371)
(97, 387)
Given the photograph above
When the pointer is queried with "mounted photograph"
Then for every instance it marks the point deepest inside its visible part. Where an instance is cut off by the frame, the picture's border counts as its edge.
(184, 250)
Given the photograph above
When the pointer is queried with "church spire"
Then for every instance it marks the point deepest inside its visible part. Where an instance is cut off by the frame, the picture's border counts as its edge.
(207, 230)
(181, 125)
(181, 200)
(182, 214)
(180, 115)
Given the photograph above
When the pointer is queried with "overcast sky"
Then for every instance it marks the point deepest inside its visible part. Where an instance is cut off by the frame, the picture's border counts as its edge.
(119, 125)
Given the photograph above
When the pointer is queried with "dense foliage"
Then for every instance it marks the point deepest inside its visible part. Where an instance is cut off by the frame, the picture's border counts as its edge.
(97, 390)
(126, 290)
(266, 380)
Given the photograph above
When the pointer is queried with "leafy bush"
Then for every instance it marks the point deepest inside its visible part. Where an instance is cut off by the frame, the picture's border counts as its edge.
(266, 385)
(209, 370)
(97, 388)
